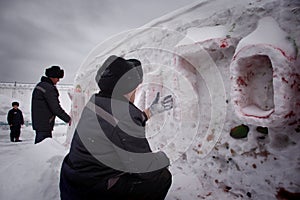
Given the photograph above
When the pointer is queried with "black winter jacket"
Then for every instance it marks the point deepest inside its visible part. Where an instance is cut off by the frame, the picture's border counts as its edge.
(45, 106)
(107, 146)
(15, 118)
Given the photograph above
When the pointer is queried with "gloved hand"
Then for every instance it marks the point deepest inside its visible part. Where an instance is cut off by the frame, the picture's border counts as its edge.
(161, 105)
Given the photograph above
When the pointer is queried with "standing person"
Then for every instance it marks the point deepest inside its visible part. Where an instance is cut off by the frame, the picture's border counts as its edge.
(15, 120)
(110, 157)
(45, 105)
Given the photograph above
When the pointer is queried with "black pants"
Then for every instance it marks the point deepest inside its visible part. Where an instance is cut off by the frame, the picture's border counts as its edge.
(15, 132)
(136, 189)
(41, 135)
(128, 187)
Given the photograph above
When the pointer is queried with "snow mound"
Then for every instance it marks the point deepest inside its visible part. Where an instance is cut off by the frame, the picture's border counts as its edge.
(34, 174)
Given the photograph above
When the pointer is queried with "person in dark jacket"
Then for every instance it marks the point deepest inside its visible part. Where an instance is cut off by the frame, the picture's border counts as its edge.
(110, 157)
(45, 105)
(15, 120)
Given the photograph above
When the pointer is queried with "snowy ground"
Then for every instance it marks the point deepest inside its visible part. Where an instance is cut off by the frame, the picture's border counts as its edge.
(249, 168)
(31, 171)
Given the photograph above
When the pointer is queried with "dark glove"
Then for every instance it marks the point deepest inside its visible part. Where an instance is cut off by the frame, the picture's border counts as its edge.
(160, 105)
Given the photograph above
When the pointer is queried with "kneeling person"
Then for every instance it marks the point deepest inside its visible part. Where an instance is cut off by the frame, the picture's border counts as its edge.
(110, 157)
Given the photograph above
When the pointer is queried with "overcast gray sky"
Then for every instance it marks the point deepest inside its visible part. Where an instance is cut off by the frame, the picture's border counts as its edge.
(36, 34)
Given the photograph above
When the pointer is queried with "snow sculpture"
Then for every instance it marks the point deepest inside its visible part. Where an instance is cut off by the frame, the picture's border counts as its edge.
(194, 62)
(171, 50)
(78, 102)
(264, 80)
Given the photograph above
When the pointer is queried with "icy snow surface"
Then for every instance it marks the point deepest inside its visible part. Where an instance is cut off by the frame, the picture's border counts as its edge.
(31, 171)
(201, 34)
(180, 58)
(253, 110)
(268, 32)
(264, 76)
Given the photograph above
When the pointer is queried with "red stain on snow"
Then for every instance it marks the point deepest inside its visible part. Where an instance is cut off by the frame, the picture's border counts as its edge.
(240, 81)
(249, 75)
(259, 117)
(293, 123)
(296, 75)
(284, 80)
(289, 115)
(224, 43)
(290, 58)
(293, 84)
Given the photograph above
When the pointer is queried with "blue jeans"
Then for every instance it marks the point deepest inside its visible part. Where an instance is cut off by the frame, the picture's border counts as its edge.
(41, 135)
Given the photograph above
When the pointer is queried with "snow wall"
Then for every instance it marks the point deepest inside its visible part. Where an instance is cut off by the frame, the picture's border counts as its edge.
(227, 63)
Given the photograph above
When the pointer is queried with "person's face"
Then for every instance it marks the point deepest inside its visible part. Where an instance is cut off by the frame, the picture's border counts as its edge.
(54, 80)
(132, 97)
(15, 107)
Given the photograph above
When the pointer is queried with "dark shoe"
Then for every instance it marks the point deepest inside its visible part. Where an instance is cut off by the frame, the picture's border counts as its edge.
(18, 140)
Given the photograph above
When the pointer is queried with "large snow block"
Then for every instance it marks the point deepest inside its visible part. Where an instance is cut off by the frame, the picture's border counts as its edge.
(196, 61)
(263, 77)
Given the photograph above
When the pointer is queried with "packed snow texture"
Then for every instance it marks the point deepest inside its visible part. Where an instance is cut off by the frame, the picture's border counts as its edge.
(30, 171)
(180, 58)
(264, 77)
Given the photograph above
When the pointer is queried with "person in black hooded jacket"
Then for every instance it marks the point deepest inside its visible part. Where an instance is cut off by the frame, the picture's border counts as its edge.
(45, 105)
(110, 157)
(15, 120)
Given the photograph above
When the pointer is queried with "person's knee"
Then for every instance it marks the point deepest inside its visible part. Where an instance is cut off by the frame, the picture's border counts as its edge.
(166, 177)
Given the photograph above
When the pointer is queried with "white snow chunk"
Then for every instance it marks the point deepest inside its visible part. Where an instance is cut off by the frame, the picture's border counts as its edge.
(268, 32)
(201, 34)
(253, 110)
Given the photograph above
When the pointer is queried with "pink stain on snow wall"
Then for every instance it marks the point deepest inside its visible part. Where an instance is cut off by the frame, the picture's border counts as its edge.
(282, 81)
(264, 77)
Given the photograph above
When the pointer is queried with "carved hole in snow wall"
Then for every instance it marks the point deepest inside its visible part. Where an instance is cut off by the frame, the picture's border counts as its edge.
(255, 83)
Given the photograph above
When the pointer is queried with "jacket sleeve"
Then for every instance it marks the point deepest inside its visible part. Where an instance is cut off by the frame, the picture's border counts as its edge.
(22, 118)
(9, 117)
(51, 96)
(134, 150)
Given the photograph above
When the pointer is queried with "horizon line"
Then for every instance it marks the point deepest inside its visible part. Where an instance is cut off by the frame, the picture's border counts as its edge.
(15, 82)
